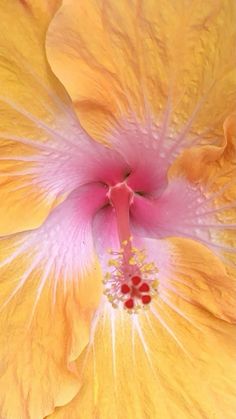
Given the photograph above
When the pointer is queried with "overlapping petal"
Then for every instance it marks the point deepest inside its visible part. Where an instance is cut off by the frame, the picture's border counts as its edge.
(148, 77)
(45, 307)
(169, 361)
(126, 57)
(42, 144)
(27, 111)
(213, 217)
(163, 105)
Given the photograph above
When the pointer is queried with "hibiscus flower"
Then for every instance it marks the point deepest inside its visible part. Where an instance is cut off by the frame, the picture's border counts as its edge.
(117, 210)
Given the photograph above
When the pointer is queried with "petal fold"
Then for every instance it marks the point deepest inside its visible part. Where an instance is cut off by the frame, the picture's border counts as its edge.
(195, 274)
(152, 51)
(175, 358)
(50, 287)
(212, 171)
(39, 132)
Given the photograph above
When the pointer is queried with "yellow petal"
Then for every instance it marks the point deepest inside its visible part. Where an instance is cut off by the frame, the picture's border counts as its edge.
(48, 294)
(125, 57)
(170, 360)
(199, 277)
(33, 109)
(212, 169)
(230, 134)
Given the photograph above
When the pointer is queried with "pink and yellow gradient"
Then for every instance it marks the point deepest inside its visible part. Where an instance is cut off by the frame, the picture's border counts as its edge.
(118, 209)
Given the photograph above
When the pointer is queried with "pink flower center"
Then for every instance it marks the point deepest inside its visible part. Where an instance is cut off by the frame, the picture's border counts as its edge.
(131, 280)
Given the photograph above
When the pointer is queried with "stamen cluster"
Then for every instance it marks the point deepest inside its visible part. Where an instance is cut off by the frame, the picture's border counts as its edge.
(131, 281)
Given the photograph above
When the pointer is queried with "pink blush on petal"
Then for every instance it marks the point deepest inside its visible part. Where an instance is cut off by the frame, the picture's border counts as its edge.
(67, 233)
(139, 147)
(166, 216)
(105, 233)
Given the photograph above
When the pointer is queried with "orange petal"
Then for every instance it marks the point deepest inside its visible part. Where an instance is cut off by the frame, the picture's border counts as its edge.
(200, 278)
(230, 135)
(118, 57)
(212, 170)
(36, 117)
(175, 358)
(50, 288)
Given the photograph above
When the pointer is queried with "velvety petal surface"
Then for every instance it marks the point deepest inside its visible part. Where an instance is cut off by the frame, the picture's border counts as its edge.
(171, 361)
(50, 287)
(126, 57)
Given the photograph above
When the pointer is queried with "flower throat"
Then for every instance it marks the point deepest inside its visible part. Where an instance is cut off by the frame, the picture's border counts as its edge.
(131, 281)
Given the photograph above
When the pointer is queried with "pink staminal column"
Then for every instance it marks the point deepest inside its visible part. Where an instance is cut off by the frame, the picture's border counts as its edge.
(131, 280)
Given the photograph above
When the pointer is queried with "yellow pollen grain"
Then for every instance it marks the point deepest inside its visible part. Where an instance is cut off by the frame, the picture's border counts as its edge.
(132, 261)
(155, 283)
(113, 262)
(140, 258)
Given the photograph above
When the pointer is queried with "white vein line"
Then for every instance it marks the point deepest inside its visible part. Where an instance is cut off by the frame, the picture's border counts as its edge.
(197, 238)
(32, 170)
(179, 312)
(144, 344)
(113, 342)
(40, 288)
(214, 210)
(16, 253)
(33, 118)
(170, 331)
(24, 184)
(189, 123)
(133, 339)
(49, 147)
(23, 280)
(58, 272)
(21, 158)
(146, 352)
(165, 123)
